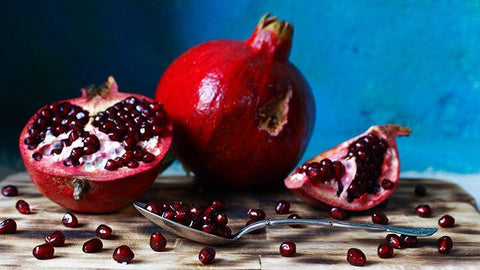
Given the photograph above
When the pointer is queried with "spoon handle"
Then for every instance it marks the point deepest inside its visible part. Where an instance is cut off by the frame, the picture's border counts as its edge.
(358, 225)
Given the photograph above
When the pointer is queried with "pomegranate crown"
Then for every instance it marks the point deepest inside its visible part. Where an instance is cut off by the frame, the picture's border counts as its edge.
(273, 37)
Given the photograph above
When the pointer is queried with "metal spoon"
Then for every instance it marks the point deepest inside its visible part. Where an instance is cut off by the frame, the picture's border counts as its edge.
(210, 239)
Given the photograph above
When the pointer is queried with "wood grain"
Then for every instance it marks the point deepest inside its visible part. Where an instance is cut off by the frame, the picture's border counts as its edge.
(316, 246)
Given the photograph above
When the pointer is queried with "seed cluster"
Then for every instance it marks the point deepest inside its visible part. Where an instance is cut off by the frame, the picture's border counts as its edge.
(210, 219)
(57, 118)
(129, 121)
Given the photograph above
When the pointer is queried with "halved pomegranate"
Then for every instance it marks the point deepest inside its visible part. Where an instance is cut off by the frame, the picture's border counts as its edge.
(355, 175)
(96, 153)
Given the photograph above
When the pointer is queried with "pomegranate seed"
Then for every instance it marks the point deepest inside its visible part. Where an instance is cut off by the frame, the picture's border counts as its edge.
(387, 184)
(123, 254)
(295, 216)
(424, 210)
(92, 246)
(208, 228)
(379, 218)
(22, 207)
(56, 239)
(410, 240)
(206, 255)
(337, 213)
(224, 232)
(282, 207)
(158, 242)
(8, 226)
(395, 241)
(356, 257)
(43, 251)
(384, 250)
(420, 190)
(445, 244)
(103, 231)
(154, 208)
(9, 191)
(217, 205)
(256, 214)
(70, 220)
(221, 219)
(288, 249)
(446, 221)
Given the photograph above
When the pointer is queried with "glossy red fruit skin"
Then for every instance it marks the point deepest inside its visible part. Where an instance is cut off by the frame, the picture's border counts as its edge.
(8, 226)
(43, 251)
(56, 239)
(108, 191)
(158, 242)
(325, 195)
(220, 96)
(123, 254)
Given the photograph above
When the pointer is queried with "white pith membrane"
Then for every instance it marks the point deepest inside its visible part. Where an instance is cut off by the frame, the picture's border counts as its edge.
(108, 149)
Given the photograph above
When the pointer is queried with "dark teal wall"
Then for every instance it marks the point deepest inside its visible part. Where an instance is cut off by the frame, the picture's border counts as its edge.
(416, 63)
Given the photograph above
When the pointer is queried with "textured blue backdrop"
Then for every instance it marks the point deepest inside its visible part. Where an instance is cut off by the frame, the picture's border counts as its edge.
(416, 63)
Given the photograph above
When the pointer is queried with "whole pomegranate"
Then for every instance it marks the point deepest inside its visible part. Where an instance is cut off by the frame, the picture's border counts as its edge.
(355, 175)
(96, 153)
(242, 113)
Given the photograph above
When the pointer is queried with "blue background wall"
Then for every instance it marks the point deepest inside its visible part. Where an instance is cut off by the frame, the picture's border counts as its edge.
(415, 63)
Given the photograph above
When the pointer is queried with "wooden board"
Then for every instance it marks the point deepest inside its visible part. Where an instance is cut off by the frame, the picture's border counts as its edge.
(316, 246)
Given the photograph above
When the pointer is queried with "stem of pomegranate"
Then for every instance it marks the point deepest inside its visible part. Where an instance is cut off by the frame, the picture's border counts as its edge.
(80, 186)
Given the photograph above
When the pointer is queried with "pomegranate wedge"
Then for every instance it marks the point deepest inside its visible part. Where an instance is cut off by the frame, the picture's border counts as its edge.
(355, 175)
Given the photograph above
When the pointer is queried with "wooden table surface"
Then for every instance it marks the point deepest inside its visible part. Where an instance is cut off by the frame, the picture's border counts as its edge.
(316, 246)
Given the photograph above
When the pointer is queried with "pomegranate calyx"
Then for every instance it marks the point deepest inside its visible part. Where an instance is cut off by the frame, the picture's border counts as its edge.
(273, 37)
(102, 90)
(80, 186)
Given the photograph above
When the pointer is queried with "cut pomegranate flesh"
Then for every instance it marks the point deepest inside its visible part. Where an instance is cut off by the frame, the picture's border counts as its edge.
(56, 239)
(105, 147)
(356, 175)
(8, 226)
(43, 251)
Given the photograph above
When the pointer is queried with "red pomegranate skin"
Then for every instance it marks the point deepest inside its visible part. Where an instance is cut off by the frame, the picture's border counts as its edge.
(108, 191)
(221, 96)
